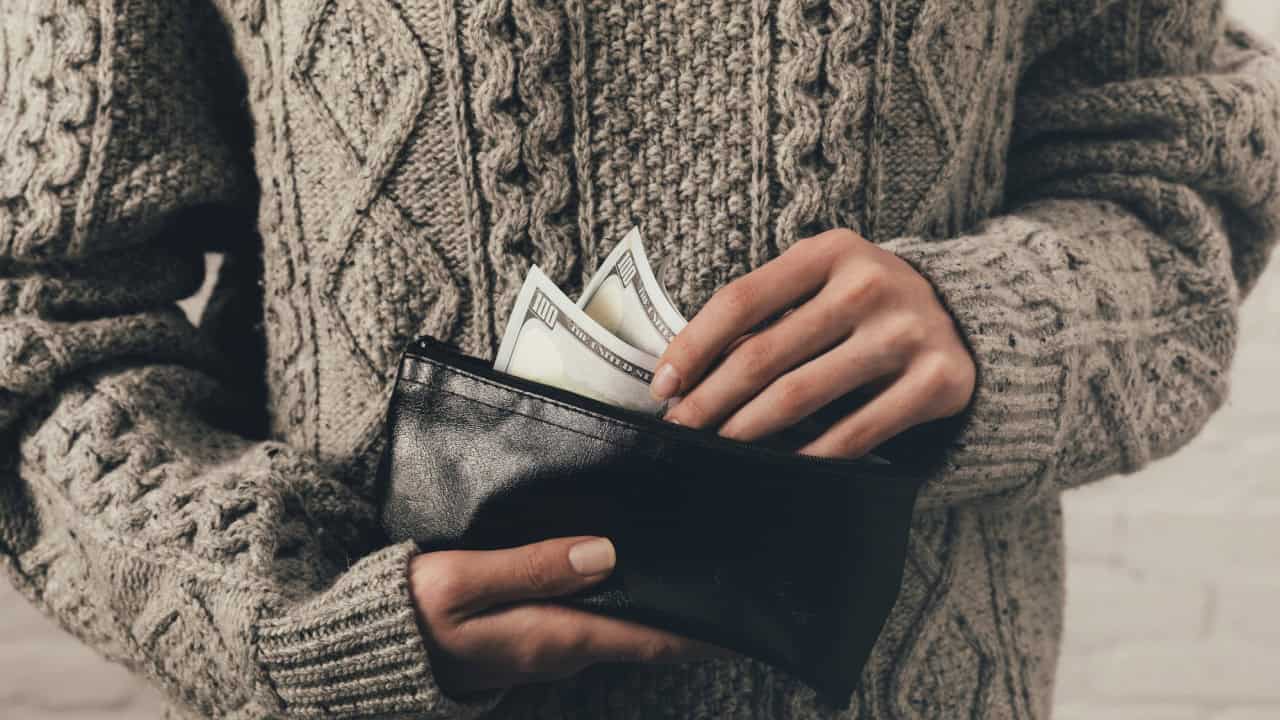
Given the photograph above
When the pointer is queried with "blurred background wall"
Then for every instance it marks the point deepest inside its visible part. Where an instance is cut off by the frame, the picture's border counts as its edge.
(1173, 597)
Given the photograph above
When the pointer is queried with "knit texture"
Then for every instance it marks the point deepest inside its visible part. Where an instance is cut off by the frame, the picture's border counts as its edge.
(1091, 187)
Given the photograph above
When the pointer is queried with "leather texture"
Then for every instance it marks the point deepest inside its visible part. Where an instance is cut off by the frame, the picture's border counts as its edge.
(792, 560)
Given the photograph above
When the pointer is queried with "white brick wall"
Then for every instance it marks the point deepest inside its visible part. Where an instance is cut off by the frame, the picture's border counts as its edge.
(1173, 609)
(1173, 581)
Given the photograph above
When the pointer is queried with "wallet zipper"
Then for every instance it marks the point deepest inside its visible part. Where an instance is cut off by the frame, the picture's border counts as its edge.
(432, 350)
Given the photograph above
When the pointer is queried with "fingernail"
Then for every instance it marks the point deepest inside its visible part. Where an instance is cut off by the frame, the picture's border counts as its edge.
(666, 382)
(592, 557)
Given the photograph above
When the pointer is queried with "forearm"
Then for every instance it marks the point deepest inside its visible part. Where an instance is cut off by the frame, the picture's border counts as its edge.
(234, 573)
(1101, 309)
(228, 571)
(1087, 364)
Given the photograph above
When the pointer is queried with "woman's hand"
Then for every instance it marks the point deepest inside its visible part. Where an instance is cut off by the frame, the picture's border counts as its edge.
(487, 622)
(860, 317)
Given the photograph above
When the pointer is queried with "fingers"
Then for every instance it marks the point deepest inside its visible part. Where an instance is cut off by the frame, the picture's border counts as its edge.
(738, 307)
(541, 641)
(475, 581)
(801, 392)
(565, 639)
(757, 361)
(488, 619)
(923, 393)
(616, 640)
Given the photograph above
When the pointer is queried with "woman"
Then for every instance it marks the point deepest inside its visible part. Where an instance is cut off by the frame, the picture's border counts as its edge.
(1034, 217)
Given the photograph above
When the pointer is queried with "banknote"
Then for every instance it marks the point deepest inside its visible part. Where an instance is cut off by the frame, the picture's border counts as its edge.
(626, 298)
(551, 340)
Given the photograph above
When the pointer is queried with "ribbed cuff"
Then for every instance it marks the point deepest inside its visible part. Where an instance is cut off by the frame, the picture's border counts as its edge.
(356, 651)
(1005, 441)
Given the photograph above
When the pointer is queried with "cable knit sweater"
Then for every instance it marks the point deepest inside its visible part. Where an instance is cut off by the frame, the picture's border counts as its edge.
(1091, 187)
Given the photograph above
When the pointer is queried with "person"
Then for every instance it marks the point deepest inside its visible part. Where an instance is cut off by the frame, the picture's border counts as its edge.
(1029, 221)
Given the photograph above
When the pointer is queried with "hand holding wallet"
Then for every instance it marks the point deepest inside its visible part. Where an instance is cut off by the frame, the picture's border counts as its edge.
(790, 559)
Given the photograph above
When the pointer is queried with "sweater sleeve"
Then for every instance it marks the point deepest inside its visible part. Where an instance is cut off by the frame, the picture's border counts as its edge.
(1142, 204)
(136, 506)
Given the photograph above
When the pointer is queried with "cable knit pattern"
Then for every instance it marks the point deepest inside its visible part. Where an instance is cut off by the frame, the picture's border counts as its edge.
(1091, 188)
(800, 117)
(517, 49)
(853, 29)
(47, 139)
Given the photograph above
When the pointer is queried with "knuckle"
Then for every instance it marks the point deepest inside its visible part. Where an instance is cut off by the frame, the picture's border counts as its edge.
(664, 650)
(961, 391)
(907, 333)
(577, 644)
(866, 285)
(537, 572)
(836, 242)
(754, 359)
(792, 395)
(736, 299)
(443, 575)
(876, 277)
(810, 244)
(823, 246)
(828, 238)
(842, 236)
(653, 649)
(535, 656)
(679, 353)
(804, 245)
(934, 372)
(947, 381)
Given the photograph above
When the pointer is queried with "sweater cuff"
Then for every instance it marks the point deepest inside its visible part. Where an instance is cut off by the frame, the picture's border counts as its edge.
(1004, 443)
(357, 651)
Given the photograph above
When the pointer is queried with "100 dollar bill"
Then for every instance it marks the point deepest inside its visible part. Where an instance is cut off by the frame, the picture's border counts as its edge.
(624, 296)
(551, 340)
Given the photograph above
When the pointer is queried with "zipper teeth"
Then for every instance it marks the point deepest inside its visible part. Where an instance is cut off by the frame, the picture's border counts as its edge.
(430, 350)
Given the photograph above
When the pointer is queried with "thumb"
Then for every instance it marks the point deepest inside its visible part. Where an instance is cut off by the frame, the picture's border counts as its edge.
(540, 570)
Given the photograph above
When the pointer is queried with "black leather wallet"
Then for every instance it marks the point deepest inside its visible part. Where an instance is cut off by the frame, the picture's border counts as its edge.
(790, 559)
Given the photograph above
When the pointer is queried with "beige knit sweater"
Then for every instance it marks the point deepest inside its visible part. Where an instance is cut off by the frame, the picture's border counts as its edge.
(1091, 186)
